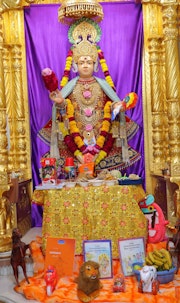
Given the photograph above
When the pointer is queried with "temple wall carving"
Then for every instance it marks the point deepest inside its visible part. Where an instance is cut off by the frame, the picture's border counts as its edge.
(161, 91)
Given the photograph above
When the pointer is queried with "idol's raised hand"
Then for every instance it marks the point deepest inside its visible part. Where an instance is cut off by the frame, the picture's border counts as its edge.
(128, 102)
(51, 83)
(56, 96)
(117, 107)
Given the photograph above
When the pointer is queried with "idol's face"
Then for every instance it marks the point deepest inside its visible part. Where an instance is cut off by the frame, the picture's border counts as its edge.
(85, 66)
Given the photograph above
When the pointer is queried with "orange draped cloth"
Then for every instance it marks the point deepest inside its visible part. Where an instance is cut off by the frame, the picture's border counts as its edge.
(66, 288)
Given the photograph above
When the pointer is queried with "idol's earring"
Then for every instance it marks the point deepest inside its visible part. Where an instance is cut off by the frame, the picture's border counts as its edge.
(74, 67)
(96, 67)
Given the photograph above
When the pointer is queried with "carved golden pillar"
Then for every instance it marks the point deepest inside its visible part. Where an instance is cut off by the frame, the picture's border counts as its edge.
(161, 100)
(5, 239)
(3, 122)
(154, 97)
(16, 92)
(19, 151)
(15, 146)
(3, 117)
(156, 58)
(170, 29)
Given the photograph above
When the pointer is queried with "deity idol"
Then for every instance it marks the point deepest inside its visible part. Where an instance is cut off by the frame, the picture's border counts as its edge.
(88, 117)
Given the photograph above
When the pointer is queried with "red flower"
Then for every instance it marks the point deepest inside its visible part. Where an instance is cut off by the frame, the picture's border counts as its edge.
(74, 135)
(106, 73)
(66, 73)
(70, 143)
(100, 55)
(103, 133)
(82, 148)
(50, 81)
(71, 119)
(70, 53)
(97, 147)
(108, 144)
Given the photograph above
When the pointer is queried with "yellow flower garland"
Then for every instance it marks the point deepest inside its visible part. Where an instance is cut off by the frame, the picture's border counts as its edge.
(67, 68)
(104, 128)
(105, 69)
(102, 154)
(72, 124)
(64, 81)
(70, 111)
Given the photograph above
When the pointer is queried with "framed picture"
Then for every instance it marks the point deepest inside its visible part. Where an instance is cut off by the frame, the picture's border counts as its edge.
(100, 252)
(131, 251)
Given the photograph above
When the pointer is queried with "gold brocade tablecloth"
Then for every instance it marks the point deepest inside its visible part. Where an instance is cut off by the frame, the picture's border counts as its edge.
(92, 213)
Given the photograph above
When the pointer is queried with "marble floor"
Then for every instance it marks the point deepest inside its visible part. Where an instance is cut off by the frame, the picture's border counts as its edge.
(7, 281)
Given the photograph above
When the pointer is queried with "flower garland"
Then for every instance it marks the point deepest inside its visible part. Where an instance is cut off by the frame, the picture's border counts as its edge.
(67, 69)
(105, 68)
(74, 141)
(76, 137)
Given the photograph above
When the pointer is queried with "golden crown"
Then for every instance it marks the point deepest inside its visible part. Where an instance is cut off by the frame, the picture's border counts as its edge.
(84, 48)
(84, 34)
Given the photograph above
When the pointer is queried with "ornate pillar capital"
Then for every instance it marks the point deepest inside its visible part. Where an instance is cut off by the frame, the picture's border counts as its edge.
(169, 17)
(6, 5)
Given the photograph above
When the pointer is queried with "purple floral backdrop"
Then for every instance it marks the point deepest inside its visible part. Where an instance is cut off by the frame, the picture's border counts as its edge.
(47, 45)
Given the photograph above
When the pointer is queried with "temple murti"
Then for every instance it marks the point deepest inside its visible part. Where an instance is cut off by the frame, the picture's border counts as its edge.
(89, 132)
(85, 106)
